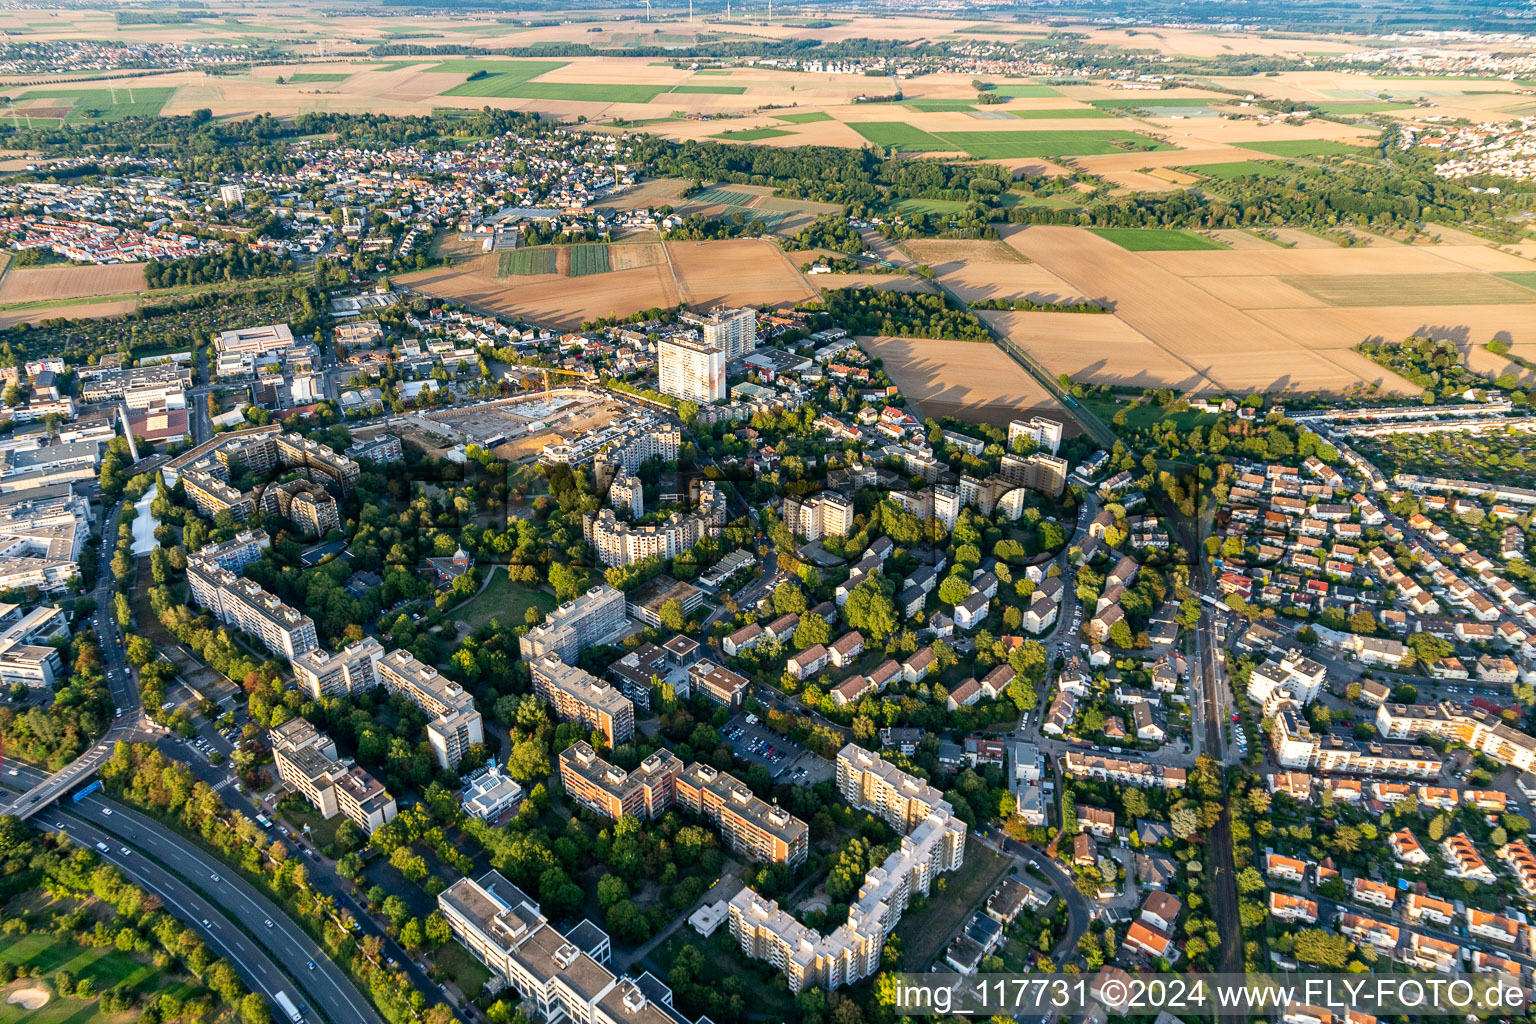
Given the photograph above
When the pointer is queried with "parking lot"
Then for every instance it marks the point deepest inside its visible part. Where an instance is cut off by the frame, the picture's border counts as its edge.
(784, 760)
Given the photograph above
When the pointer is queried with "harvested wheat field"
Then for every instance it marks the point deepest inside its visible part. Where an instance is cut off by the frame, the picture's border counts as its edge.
(40, 284)
(973, 381)
(738, 272)
(974, 282)
(885, 282)
(1096, 347)
(67, 311)
(1201, 334)
(547, 299)
(1241, 239)
(939, 251)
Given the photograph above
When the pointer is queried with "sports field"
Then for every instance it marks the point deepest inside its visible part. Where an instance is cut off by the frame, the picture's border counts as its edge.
(1155, 239)
(1412, 289)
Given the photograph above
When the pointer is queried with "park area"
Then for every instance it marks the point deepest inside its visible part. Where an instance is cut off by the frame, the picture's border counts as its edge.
(504, 601)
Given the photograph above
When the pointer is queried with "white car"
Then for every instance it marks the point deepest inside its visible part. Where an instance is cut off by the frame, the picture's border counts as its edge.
(107, 811)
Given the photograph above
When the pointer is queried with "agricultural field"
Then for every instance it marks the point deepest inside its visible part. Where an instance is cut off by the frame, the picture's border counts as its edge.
(1449, 289)
(94, 104)
(1245, 169)
(751, 135)
(1003, 145)
(61, 284)
(1154, 240)
(971, 380)
(525, 262)
(311, 78)
(805, 117)
(555, 299)
(1303, 147)
(588, 259)
(738, 272)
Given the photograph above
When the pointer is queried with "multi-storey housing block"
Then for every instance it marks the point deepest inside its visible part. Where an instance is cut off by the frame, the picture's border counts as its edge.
(306, 760)
(752, 828)
(609, 790)
(575, 625)
(579, 696)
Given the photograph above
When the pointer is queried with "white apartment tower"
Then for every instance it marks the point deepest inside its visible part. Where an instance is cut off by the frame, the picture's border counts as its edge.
(1046, 434)
(691, 369)
(732, 331)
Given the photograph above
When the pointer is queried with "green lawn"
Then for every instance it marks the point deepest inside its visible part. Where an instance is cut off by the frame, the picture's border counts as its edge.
(1302, 147)
(525, 262)
(710, 90)
(805, 117)
(751, 134)
(939, 106)
(1242, 169)
(1022, 91)
(107, 104)
(895, 134)
(1013, 145)
(504, 600)
(469, 975)
(1147, 416)
(1067, 114)
(1523, 278)
(305, 77)
(936, 207)
(1155, 239)
(923, 933)
(1153, 101)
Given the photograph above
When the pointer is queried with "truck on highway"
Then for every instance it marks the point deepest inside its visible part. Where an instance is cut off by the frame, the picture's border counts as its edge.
(290, 1012)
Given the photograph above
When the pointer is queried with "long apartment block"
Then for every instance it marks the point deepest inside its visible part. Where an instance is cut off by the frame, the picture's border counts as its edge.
(751, 827)
(559, 977)
(242, 603)
(575, 625)
(645, 793)
(306, 760)
(933, 842)
(1477, 729)
(578, 696)
(455, 724)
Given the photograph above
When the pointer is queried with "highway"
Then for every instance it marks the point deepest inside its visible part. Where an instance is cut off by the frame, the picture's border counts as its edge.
(259, 972)
(326, 987)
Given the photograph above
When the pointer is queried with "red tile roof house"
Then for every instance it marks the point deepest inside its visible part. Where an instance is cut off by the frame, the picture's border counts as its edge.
(846, 648)
(808, 662)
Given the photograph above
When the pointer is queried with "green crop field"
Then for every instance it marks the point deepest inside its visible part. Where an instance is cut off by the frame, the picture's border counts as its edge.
(806, 117)
(1068, 114)
(589, 259)
(895, 134)
(106, 104)
(709, 90)
(751, 134)
(939, 106)
(1155, 239)
(722, 197)
(1154, 101)
(1412, 289)
(306, 77)
(526, 262)
(1013, 145)
(936, 207)
(1523, 278)
(1242, 169)
(585, 93)
(1361, 107)
(522, 70)
(1302, 147)
(503, 78)
(712, 71)
(1023, 91)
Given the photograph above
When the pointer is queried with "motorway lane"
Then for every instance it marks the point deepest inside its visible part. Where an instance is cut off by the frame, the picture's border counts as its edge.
(259, 972)
(326, 987)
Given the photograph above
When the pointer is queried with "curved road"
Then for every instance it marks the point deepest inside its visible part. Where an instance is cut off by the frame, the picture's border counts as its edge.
(325, 987)
(251, 963)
